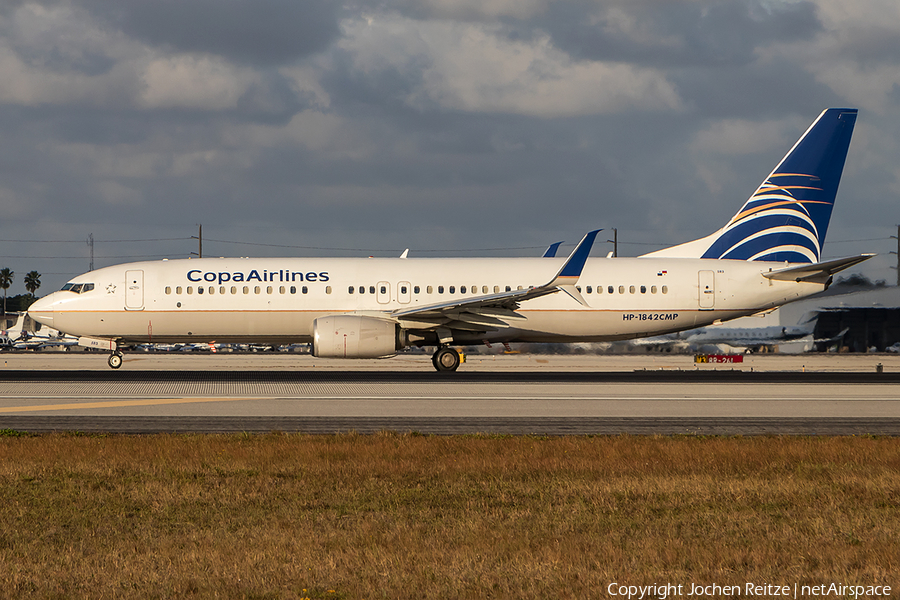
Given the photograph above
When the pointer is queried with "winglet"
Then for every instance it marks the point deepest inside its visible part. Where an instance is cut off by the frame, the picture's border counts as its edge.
(571, 270)
(551, 251)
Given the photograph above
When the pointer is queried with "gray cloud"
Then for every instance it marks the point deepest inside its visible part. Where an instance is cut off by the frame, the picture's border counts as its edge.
(677, 34)
(254, 32)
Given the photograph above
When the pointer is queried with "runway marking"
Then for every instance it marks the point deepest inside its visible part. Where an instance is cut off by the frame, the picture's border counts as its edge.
(117, 404)
(198, 399)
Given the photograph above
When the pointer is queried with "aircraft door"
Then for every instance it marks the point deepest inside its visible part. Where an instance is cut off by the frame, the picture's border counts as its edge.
(383, 292)
(707, 290)
(403, 294)
(134, 290)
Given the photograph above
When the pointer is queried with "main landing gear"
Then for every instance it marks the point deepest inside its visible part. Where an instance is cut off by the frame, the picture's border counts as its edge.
(115, 360)
(445, 359)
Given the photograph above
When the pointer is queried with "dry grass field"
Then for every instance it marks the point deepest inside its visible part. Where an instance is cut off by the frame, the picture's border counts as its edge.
(407, 516)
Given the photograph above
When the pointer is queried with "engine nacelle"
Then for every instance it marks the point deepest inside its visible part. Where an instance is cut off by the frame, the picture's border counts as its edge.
(355, 336)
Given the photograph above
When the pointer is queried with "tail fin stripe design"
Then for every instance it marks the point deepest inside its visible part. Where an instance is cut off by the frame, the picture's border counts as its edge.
(791, 209)
(783, 254)
(765, 243)
(763, 225)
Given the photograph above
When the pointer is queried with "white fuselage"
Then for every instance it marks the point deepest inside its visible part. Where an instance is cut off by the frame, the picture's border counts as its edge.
(276, 300)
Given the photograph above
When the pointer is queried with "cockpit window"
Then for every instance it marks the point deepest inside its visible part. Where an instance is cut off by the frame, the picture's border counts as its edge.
(78, 288)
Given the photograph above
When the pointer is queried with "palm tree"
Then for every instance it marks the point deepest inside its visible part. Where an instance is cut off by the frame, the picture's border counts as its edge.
(32, 282)
(6, 277)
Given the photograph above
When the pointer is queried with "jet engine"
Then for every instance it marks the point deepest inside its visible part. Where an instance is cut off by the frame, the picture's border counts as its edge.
(355, 336)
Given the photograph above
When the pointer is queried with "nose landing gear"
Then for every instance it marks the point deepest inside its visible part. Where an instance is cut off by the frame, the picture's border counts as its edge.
(115, 360)
(445, 359)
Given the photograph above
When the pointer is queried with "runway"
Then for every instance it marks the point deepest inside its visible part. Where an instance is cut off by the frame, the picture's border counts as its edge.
(524, 396)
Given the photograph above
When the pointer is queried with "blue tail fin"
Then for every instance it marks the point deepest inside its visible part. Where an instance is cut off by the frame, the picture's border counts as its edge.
(787, 217)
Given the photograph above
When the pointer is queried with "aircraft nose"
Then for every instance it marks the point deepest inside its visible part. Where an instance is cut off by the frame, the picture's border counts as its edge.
(42, 310)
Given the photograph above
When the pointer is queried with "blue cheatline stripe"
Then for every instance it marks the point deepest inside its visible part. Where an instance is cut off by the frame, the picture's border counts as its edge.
(575, 263)
(751, 227)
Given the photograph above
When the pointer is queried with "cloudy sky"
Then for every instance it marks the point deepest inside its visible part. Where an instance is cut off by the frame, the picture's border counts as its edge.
(450, 127)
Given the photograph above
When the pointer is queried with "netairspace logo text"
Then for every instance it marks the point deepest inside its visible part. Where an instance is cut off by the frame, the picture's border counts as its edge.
(662, 591)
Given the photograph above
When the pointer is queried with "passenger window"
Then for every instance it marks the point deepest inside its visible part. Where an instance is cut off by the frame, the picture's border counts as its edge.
(621, 289)
(168, 290)
(371, 289)
(610, 290)
(293, 289)
(484, 289)
(403, 289)
(281, 290)
(199, 290)
(233, 290)
(429, 289)
(362, 289)
(246, 290)
(350, 289)
(416, 290)
(588, 288)
(178, 290)
(577, 287)
(462, 289)
(652, 289)
(222, 289)
(665, 289)
(269, 289)
(440, 289)
(508, 289)
(190, 290)
(519, 288)
(256, 289)
(304, 289)
(452, 289)
(327, 289)
(383, 290)
(496, 289)
(631, 289)
(643, 289)
(212, 290)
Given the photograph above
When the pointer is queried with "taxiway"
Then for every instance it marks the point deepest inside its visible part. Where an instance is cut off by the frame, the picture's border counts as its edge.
(500, 394)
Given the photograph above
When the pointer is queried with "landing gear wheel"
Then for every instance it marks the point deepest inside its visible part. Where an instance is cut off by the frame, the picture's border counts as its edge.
(445, 359)
(115, 360)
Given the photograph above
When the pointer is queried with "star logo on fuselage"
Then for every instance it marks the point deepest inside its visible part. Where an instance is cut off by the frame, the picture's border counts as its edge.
(110, 289)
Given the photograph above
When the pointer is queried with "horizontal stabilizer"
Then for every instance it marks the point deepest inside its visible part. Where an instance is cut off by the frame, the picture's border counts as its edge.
(818, 272)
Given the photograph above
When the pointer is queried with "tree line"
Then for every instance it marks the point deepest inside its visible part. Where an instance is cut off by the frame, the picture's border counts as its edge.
(20, 302)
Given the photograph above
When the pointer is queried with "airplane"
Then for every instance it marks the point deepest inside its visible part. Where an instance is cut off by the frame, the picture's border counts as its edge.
(768, 254)
(744, 339)
(24, 335)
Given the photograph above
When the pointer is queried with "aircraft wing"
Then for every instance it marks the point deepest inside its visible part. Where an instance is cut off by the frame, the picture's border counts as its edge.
(836, 338)
(491, 311)
(816, 272)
